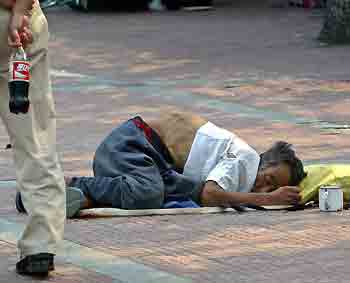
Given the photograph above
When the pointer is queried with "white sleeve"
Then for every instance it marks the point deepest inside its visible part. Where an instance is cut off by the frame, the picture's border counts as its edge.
(226, 174)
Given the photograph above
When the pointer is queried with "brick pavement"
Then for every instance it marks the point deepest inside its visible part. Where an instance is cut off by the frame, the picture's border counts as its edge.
(304, 246)
(267, 78)
(64, 272)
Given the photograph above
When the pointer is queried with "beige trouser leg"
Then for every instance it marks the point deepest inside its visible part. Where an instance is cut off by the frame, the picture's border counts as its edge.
(33, 136)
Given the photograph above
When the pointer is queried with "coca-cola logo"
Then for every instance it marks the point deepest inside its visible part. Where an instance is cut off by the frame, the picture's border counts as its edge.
(20, 71)
(22, 67)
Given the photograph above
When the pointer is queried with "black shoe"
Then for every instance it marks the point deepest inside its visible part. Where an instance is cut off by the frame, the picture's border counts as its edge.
(36, 265)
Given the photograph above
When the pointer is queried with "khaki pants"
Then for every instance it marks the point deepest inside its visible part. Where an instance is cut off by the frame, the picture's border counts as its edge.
(33, 137)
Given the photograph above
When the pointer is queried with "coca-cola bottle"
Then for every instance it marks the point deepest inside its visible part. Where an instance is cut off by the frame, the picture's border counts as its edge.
(19, 77)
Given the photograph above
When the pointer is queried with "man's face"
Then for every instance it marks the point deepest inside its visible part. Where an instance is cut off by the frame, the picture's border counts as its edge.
(272, 178)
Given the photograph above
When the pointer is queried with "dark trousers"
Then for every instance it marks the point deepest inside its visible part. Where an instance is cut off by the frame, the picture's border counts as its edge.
(133, 170)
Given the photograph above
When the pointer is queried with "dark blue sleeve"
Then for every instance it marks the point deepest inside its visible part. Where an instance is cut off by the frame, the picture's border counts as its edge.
(181, 187)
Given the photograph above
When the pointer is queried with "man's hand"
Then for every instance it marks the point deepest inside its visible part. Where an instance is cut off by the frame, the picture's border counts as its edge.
(285, 195)
(213, 195)
(19, 33)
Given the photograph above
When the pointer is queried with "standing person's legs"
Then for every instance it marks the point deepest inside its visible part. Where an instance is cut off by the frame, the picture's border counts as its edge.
(33, 136)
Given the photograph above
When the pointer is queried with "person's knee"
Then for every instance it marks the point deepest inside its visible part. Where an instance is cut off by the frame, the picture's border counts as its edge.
(144, 196)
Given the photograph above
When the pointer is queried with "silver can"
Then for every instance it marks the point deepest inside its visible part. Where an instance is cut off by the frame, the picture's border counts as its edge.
(330, 198)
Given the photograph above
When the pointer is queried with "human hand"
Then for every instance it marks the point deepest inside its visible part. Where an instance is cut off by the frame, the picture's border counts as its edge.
(285, 195)
(19, 33)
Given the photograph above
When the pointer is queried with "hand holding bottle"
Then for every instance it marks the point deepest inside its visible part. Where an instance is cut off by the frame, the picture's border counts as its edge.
(19, 77)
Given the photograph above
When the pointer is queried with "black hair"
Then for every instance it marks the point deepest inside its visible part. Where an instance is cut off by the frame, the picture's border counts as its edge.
(282, 152)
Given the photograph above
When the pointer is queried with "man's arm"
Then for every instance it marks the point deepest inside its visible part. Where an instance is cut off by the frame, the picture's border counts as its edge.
(214, 195)
(23, 6)
(7, 4)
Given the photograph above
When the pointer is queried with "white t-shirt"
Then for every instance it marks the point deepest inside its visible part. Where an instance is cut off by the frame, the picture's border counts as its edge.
(220, 156)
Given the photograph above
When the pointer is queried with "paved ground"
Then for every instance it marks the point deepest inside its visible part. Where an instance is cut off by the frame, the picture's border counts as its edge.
(252, 69)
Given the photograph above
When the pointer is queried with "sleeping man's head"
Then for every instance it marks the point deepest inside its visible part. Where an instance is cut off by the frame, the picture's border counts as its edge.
(278, 167)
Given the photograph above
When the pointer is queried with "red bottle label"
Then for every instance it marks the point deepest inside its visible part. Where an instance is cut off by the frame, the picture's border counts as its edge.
(20, 71)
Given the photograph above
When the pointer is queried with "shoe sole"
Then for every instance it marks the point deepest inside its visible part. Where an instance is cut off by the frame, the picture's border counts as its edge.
(74, 200)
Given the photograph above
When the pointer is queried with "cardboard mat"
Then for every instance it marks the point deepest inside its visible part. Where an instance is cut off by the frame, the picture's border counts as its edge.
(116, 212)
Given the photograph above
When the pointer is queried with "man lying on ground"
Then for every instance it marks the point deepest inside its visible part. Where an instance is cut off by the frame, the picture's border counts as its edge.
(142, 165)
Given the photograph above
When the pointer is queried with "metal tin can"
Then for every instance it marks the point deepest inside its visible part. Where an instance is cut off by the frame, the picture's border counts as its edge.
(330, 198)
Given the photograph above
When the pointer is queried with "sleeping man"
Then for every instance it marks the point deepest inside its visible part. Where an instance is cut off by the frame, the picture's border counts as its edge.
(182, 156)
